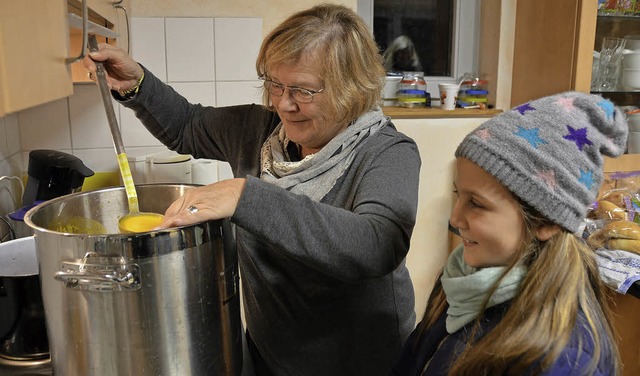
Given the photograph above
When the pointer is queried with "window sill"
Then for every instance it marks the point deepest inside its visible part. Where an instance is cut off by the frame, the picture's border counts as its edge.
(396, 112)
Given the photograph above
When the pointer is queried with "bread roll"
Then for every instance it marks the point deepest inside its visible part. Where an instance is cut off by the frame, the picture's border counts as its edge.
(625, 245)
(622, 230)
(616, 197)
(622, 235)
(608, 210)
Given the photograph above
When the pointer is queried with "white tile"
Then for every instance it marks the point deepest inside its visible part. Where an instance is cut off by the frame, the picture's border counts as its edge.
(148, 45)
(134, 134)
(10, 191)
(45, 126)
(88, 117)
(234, 93)
(98, 160)
(17, 166)
(197, 92)
(13, 133)
(4, 148)
(5, 168)
(236, 56)
(189, 49)
(224, 171)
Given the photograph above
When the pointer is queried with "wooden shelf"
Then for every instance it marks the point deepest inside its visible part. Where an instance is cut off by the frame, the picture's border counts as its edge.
(396, 112)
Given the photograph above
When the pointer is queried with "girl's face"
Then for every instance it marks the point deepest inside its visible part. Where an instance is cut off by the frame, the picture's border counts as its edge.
(304, 123)
(487, 215)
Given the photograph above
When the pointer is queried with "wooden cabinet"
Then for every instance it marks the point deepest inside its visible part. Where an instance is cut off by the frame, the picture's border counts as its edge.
(35, 41)
(531, 49)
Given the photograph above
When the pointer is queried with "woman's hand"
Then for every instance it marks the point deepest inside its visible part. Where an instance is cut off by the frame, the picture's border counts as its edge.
(122, 71)
(213, 201)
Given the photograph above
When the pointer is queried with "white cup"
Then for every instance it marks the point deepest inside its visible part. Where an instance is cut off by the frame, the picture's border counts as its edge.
(633, 143)
(448, 96)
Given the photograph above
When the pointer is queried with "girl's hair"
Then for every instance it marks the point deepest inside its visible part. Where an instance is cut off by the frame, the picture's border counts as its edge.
(342, 48)
(562, 280)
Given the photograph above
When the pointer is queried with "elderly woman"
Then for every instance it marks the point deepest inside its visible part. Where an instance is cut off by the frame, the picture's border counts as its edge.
(324, 198)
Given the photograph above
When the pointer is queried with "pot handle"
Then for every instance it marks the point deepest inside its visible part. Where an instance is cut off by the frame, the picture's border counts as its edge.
(100, 273)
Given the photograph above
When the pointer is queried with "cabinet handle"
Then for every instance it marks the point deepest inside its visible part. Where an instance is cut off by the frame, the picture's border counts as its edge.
(126, 20)
(85, 18)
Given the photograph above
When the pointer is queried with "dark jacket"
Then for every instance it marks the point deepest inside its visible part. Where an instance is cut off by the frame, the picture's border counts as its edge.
(325, 287)
(442, 349)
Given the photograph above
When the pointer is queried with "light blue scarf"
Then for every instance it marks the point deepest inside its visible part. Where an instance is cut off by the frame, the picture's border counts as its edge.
(466, 288)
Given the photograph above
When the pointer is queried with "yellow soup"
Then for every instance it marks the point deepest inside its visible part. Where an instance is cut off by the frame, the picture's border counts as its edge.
(140, 222)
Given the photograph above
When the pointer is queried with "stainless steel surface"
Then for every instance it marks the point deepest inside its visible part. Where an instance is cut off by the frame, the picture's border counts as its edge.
(22, 368)
(105, 93)
(18, 258)
(181, 315)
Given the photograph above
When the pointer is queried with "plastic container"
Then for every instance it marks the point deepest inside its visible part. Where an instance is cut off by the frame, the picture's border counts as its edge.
(413, 91)
(473, 94)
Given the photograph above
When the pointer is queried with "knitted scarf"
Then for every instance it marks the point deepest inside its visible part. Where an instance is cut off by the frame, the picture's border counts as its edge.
(466, 288)
(316, 174)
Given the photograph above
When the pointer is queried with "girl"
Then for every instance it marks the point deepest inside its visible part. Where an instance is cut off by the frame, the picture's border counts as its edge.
(522, 294)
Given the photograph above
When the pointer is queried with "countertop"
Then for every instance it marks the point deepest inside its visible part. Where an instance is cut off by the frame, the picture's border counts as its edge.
(396, 112)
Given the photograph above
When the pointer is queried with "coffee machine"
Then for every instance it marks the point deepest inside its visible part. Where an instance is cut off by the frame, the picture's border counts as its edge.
(23, 336)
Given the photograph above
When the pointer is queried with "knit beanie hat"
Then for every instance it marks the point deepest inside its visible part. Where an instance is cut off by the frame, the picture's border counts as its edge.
(549, 152)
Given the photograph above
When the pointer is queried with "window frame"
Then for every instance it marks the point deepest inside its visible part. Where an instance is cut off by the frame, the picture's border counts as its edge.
(465, 51)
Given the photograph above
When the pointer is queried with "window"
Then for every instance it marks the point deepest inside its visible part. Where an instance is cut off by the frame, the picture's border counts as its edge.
(443, 33)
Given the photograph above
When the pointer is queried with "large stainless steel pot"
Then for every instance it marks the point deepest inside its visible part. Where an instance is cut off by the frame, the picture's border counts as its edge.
(157, 303)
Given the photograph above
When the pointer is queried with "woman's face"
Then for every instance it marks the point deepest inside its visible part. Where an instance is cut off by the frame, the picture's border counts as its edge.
(487, 215)
(304, 123)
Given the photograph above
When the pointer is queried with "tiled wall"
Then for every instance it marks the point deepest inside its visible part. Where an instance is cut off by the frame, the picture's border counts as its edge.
(194, 55)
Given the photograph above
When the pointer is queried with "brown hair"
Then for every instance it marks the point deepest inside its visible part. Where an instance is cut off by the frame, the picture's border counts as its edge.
(562, 279)
(348, 60)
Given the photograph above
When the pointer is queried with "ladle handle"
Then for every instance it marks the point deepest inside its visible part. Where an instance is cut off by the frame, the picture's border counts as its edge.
(105, 93)
(123, 163)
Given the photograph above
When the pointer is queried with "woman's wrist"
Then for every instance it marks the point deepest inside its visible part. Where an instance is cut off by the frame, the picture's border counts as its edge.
(133, 90)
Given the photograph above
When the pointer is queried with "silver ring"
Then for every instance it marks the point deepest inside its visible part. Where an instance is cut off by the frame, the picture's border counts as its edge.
(192, 209)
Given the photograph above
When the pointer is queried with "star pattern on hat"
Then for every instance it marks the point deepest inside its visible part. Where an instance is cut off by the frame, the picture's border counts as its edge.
(483, 134)
(607, 107)
(586, 178)
(566, 103)
(579, 136)
(531, 135)
(548, 177)
(524, 108)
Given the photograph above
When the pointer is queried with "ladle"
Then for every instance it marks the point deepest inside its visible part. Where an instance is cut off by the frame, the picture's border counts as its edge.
(135, 221)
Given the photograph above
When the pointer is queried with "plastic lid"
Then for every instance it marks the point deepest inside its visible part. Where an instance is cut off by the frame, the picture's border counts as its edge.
(475, 82)
(411, 91)
(166, 158)
(52, 164)
(476, 92)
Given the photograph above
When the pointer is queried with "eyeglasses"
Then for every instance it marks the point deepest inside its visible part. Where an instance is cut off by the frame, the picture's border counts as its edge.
(299, 94)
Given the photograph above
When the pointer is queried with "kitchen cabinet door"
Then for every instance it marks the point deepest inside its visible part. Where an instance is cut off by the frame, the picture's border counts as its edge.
(34, 43)
(553, 48)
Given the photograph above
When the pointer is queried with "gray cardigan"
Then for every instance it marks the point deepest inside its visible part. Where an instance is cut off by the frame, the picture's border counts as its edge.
(326, 290)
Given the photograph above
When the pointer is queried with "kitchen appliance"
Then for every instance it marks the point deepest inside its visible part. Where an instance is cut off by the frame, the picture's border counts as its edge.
(157, 303)
(53, 174)
(23, 336)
